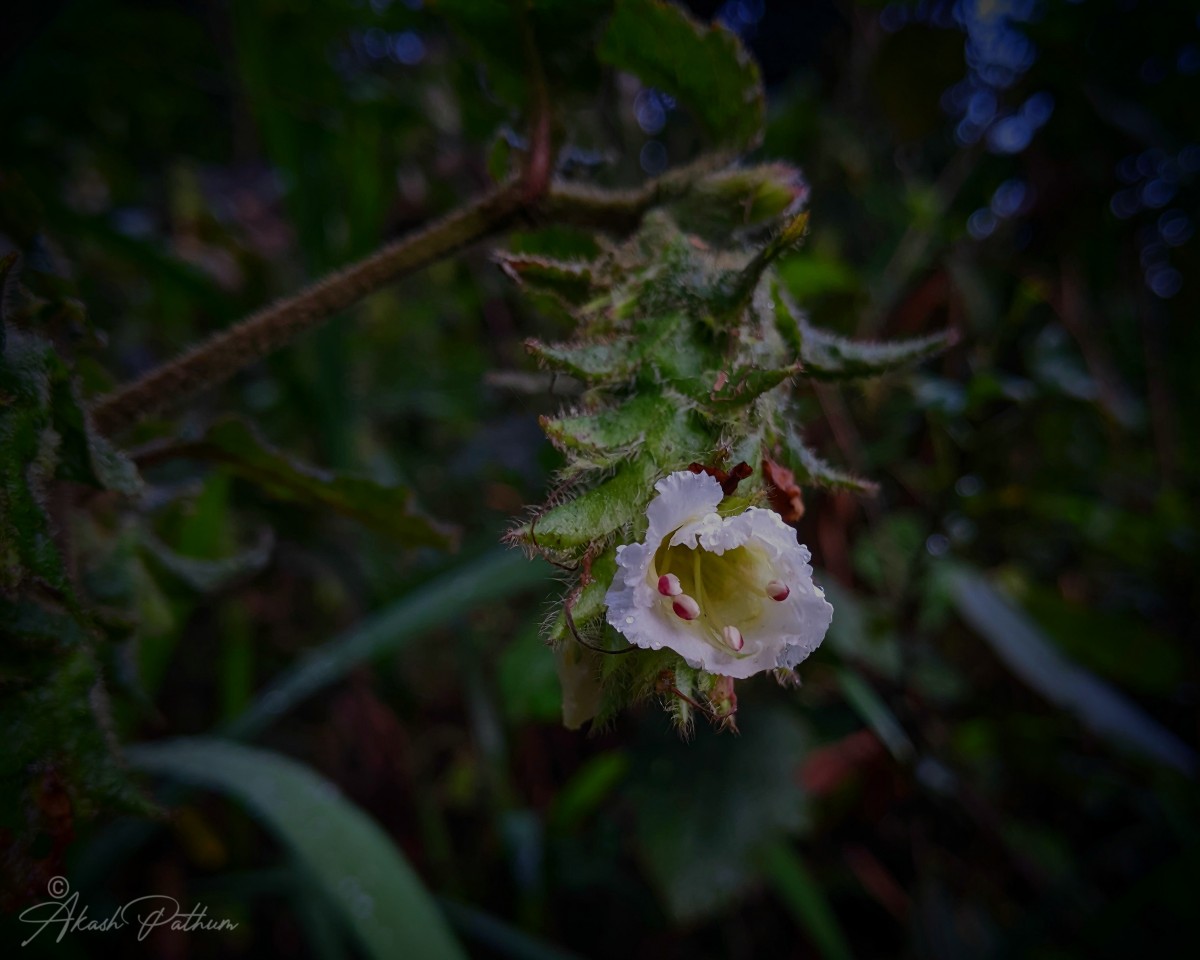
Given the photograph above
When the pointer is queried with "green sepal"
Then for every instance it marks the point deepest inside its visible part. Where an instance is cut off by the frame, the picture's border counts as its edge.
(573, 283)
(594, 515)
(603, 361)
(827, 356)
(811, 470)
(610, 429)
(589, 604)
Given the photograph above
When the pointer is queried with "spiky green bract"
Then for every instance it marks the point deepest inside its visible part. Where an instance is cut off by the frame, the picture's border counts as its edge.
(686, 349)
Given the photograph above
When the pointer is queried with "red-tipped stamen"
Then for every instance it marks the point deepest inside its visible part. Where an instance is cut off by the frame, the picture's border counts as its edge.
(778, 590)
(733, 637)
(685, 607)
(668, 585)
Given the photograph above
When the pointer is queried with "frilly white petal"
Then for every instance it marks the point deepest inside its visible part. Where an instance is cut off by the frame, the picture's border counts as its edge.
(682, 496)
(784, 633)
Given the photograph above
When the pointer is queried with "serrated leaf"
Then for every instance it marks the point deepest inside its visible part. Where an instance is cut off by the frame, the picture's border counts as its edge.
(827, 356)
(571, 282)
(29, 456)
(812, 470)
(731, 200)
(744, 386)
(706, 68)
(386, 509)
(595, 361)
(87, 456)
(595, 514)
(589, 605)
(58, 725)
(611, 429)
(354, 864)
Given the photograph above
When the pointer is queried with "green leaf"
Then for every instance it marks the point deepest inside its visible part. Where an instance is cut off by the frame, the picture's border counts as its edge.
(1029, 654)
(700, 855)
(594, 361)
(611, 429)
(351, 860)
(571, 282)
(57, 726)
(562, 30)
(801, 893)
(743, 386)
(731, 200)
(29, 457)
(386, 509)
(706, 68)
(589, 606)
(810, 469)
(602, 510)
(875, 713)
(829, 357)
(493, 577)
(209, 576)
(588, 789)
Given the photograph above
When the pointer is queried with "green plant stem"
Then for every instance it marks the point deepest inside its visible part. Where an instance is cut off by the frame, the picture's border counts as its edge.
(217, 359)
(220, 357)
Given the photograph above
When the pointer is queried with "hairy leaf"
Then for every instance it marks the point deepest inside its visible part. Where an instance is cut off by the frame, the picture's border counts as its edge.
(595, 514)
(810, 469)
(705, 67)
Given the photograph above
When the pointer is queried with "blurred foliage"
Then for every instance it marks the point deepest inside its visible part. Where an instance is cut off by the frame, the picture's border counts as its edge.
(1023, 173)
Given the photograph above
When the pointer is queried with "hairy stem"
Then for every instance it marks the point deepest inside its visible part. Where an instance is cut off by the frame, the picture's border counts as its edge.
(217, 359)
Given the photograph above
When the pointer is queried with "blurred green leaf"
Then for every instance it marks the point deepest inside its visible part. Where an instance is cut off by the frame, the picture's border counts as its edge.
(705, 809)
(827, 356)
(209, 576)
(587, 790)
(527, 680)
(492, 577)
(800, 891)
(811, 470)
(386, 509)
(852, 635)
(707, 68)
(1018, 642)
(875, 713)
(350, 858)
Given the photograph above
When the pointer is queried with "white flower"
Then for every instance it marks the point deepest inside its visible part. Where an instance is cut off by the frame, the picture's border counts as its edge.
(732, 595)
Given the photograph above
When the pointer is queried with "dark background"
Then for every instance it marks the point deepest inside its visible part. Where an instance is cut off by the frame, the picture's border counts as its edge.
(1026, 172)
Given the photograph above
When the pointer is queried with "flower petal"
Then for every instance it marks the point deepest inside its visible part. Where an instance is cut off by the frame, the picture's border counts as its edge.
(781, 634)
(682, 496)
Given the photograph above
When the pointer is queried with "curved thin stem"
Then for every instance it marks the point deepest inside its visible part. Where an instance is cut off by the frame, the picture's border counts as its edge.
(217, 359)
